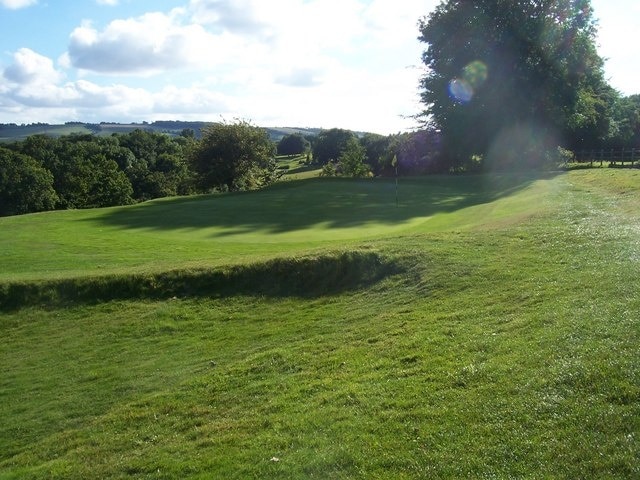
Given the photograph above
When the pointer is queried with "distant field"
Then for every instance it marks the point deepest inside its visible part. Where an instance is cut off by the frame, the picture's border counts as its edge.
(485, 327)
(296, 168)
(8, 134)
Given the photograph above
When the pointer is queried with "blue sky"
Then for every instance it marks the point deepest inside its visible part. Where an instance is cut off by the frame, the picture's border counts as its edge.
(309, 63)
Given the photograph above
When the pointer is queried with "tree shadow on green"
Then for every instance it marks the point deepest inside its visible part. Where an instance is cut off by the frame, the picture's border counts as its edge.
(333, 203)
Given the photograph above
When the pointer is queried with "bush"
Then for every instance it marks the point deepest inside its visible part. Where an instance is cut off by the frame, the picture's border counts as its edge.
(559, 157)
(329, 170)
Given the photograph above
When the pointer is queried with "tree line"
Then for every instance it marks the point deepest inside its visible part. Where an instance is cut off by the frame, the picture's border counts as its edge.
(87, 171)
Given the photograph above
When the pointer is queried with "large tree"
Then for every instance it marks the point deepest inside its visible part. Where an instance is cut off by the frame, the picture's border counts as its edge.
(351, 162)
(330, 144)
(233, 156)
(25, 185)
(378, 151)
(292, 144)
(509, 77)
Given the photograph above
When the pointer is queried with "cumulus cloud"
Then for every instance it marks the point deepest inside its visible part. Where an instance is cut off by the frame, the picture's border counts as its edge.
(29, 67)
(295, 62)
(16, 4)
(246, 17)
(195, 101)
(34, 86)
(300, 77)
(80, 95)
(152, 43)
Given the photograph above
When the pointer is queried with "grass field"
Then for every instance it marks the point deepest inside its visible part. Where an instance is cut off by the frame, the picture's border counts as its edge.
(489, 329)
(16, 133)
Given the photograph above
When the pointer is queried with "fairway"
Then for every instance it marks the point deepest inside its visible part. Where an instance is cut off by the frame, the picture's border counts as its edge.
(286, 219)
(497, 339)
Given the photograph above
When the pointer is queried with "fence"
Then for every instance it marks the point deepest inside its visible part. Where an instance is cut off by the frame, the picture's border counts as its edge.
(612, 155)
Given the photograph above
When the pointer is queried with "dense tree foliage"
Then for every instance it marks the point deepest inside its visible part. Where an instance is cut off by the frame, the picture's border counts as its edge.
(419, 153)
(352, 160)
(86, 174)
(377, 151)
(25, 186)
(97, 171)
(625, 125)
(416, 153)
(350, 163)
(84, 168)
(233, 156)
(330, 144)
(517, 69)
(92, 170)
(158, 167)
(292, 144)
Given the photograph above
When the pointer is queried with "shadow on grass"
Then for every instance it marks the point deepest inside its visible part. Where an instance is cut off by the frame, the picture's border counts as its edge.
(305, 277)
(333, 203)
(303, 169)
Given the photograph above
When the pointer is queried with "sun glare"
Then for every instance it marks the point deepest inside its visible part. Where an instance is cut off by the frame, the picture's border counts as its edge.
(473, 76)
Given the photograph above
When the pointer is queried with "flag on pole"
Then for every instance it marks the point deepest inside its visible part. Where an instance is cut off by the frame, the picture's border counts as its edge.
(394, 164)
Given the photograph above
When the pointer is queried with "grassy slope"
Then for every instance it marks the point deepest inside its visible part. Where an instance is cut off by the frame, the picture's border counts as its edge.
(508, 347)
(289, 217)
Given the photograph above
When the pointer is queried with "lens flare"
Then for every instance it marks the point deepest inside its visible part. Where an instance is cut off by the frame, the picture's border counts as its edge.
(460, 90)
(473, 76)
(520, 145)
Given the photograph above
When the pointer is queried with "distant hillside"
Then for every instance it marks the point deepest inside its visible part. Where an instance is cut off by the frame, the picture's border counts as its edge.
(10, 131)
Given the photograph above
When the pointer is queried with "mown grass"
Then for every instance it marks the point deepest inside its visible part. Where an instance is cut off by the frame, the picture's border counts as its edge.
(505, 345)
(287, 219)
(297, 168)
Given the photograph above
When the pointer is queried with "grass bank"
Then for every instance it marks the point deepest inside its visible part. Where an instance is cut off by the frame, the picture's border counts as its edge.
(305, 276)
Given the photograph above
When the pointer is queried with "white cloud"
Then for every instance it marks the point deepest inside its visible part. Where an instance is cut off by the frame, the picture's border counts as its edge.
(36, 87)
(110, 3)
(617, 30)
(16, 4)
(292, 62)
(152, 43)
(244, 17)
(190, 102)
(81, 95)
(300, 77)
(29, 67)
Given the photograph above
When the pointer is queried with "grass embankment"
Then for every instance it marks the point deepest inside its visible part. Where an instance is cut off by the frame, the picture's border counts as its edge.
(507, 345)
(306, 276)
